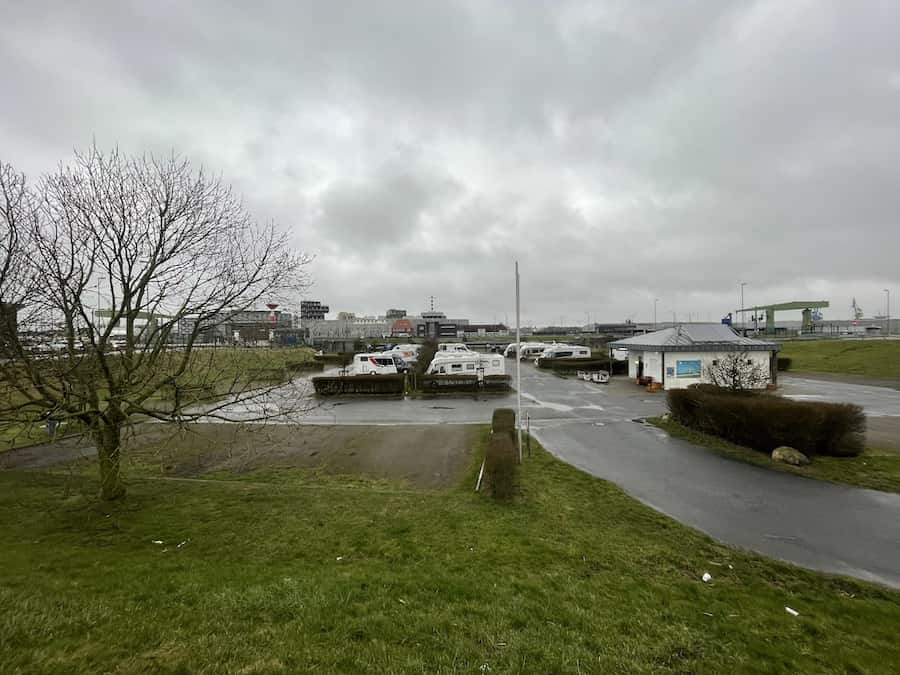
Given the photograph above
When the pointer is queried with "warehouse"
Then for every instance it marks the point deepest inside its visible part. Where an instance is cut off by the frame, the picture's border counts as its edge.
(680, 356)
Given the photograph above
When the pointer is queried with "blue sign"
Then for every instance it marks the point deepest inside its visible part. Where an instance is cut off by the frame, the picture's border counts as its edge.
(687, 368)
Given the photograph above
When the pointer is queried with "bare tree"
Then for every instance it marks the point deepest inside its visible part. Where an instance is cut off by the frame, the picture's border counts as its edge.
(171, 254)
(737, 371)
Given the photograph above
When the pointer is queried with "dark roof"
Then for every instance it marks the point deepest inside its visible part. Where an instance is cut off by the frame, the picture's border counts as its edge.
(703, 337)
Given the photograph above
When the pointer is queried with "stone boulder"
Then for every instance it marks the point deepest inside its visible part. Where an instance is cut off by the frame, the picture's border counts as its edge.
(788, 455)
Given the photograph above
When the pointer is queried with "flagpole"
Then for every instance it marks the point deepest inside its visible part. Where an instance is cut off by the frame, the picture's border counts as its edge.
(518, 369)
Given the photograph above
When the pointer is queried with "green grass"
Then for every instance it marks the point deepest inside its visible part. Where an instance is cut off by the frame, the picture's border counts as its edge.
(868, 358)
(281, 575)
(875, 469)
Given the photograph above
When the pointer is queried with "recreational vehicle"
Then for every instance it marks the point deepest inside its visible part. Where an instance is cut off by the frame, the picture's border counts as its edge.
(409, 353)
(377, 363)
(531, 349)
(565, 352)
(453, 347)
(510, 350)
(467, 364)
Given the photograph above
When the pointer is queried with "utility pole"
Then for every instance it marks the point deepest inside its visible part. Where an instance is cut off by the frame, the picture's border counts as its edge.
(518, 369)
(655, 300)
(888, 292)
(743, 318)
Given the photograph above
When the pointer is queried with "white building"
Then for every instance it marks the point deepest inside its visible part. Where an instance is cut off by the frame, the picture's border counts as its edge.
(681, 356)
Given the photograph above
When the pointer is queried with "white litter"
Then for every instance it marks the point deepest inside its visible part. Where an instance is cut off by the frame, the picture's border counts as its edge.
(339, 558)
(157, 541)
(707, 577)
(182, 543)
(792, 612)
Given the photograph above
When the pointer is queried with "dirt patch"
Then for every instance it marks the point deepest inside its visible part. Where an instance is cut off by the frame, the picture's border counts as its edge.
(422, 455)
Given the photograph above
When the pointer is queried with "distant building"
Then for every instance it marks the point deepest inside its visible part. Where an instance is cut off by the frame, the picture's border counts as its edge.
(312, 310)
(435, 324)
(346, 316)
(395, 314)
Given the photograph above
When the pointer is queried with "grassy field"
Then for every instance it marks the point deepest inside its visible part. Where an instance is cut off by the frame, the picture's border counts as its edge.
(876, 469)
(868, 358)
(214, 369)
(278, 572)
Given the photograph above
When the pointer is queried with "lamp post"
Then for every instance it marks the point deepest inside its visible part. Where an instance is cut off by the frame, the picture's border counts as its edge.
(888, 293)
(743, 317)
(655, 300)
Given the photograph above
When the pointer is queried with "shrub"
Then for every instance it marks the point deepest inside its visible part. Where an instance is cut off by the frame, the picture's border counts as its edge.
(504, 421)
(783, 363)
(766, 422)
(360, 384)
(500, 465)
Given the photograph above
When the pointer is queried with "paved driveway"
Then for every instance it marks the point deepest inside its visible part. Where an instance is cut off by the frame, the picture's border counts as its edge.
(819, 525)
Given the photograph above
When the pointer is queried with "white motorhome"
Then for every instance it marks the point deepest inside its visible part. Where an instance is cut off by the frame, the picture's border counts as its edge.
(511, 350)
(472, 363)
(531, 349)
(453, 347)
(377, 363)
(565, 352)
(409, 353)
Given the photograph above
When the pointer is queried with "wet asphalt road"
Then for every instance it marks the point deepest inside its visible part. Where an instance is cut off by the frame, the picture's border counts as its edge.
(819, 525)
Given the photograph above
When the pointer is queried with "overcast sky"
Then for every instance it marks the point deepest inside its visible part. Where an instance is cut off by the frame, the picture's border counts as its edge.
(621, 151)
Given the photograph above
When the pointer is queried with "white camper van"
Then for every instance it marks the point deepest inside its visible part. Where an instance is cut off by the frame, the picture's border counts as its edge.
(467, 364)
(510, 350)
(453, 347)
(531, 349)
(377, 363)
(409, 353)
(565, 352)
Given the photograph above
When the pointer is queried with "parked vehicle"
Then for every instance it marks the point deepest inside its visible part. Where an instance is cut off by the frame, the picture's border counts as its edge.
(453, 347)
(510, 350)
(409, 353)
(378, 363)
(565, 352)
(530, 350)
(472, 363)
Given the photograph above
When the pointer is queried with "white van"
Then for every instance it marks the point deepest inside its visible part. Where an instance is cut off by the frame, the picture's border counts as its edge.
(531, 349)
(467, 364)
(453, 347)
(377, 363)
(510, 350)
(565, 352)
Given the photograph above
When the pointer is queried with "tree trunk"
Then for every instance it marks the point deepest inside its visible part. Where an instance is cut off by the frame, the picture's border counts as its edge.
(108, 440)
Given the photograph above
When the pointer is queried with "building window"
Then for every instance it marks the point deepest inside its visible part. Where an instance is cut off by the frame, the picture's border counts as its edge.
(455, 367)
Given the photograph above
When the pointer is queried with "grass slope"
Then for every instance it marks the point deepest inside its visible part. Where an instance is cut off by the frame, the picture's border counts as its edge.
(869, 358)
(297, 576)
(875, 469)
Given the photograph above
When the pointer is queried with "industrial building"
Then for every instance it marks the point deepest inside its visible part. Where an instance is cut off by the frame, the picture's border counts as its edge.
(680, 356)
(313, 310)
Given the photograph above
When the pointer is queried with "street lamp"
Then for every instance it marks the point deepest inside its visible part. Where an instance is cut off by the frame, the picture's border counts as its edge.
(888, 293)
(743, 317)
(655, 300)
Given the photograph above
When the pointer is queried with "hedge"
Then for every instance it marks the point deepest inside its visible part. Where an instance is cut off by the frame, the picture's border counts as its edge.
(504, 421)
(500, 464)
(765, 422)
(464, 383)
(360, 384)
(567, 365)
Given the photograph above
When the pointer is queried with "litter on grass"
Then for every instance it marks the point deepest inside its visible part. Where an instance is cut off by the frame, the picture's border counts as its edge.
(792, 612)
(157, 541)
(707, 577)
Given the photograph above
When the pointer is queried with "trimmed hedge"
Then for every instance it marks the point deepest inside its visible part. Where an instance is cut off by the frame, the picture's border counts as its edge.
(500, 465)
(764, 422)
(464, 383)
(360, 384)
(783, 363)
(504, 421)
(571, 365)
